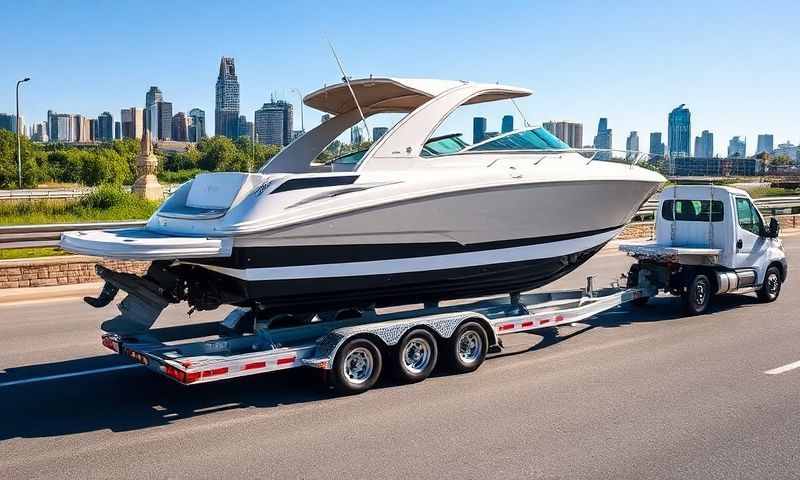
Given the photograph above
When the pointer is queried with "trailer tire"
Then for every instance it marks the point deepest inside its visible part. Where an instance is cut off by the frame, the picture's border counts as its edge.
(466, 349)
(697, 297)
(771, 287)
(415, 356)
(357, 366)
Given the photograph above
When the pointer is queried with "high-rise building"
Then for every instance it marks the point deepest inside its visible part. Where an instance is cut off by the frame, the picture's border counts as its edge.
(656, 145)
(197, 129)
(151, 98)
(378, 132)
(242, 128)
(62, 127)
(226, 110)
(356, 135)
(679, 131)
(39, 132)
(94, 130)
(117, 130)
(7, 122)
(570, 133)
(273, 123)
(507, 124)
(765, 142)
(180, 127)
(737, 147)
(105, 127)
(704, 145)
(132, 122)
(82, 129)
(787, 150)
(632, 144)
(249, 130)
(603, 139)
(478, 129)
(164, 120)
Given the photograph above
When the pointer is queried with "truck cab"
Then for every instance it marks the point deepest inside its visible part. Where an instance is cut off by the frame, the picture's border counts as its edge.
(714, 234)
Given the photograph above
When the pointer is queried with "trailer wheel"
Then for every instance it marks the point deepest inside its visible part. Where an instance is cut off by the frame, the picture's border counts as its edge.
(357, 366)
(415, 356)
(771, 288)
(466, 349)
(698, 296)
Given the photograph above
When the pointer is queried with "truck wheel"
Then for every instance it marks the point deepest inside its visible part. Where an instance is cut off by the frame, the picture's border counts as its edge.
(698, 295)
(772, 286)
(357, 366)
(415, 356)
(466, 348)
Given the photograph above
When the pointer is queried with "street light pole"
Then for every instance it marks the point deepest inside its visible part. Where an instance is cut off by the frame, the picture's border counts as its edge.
(19, 143)
(300, 97)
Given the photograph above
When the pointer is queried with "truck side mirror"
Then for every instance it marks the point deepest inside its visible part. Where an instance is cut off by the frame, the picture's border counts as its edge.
(774, 228)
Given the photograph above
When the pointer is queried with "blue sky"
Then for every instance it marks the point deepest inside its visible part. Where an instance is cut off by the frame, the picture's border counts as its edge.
(735, 64)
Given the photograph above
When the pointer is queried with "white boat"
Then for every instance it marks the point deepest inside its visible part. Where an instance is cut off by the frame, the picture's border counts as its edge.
(413, 219)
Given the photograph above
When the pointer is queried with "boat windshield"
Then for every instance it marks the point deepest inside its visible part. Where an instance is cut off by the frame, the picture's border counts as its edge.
(529, 139)
(443, 145)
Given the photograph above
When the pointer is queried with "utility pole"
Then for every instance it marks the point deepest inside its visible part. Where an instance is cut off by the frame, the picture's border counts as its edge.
(300, 97)
(19, 142)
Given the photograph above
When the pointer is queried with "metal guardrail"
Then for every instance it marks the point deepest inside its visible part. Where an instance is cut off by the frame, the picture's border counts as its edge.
(60, 193)
(52, 233)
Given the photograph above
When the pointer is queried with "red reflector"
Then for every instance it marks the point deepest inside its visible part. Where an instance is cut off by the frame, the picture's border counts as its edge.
(110, 344)
(506, 326)
(285, 360)
(191, 377)
(544, 320)
(254, 365)
(215, 371)
(559, 318)
(174, 373)
(527, 324)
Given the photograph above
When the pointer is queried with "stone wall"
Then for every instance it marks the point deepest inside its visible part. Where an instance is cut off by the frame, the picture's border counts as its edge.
(50, 271)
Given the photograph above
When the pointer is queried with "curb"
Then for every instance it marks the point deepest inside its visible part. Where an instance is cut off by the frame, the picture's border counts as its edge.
(10, 296)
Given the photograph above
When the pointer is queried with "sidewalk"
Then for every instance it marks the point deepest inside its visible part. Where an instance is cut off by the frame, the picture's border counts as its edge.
(60, 292)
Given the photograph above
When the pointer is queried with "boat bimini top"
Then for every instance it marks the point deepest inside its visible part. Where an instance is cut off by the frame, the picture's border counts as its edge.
(426, 101)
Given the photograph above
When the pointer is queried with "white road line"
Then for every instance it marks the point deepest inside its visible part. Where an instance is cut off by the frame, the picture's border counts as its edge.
(67, 375)
(785, 368)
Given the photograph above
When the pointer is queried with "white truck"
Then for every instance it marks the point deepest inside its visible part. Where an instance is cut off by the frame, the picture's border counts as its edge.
(708, 240)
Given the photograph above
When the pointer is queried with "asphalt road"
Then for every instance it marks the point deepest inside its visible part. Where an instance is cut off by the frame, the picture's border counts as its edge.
(634, 393)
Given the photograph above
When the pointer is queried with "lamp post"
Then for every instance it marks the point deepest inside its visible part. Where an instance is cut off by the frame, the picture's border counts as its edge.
(19, 143)
(300, 97)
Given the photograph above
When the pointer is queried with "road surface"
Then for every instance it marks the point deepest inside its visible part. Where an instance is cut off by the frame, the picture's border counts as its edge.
(632, 394)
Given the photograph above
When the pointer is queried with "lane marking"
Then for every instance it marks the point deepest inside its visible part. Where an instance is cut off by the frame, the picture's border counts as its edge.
(68, 375)
(785, 368)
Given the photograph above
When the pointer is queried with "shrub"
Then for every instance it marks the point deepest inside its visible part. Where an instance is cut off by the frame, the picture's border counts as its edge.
(106, 196)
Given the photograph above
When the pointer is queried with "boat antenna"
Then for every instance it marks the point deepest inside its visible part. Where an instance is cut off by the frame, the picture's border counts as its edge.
(346, 80)
(525, 120)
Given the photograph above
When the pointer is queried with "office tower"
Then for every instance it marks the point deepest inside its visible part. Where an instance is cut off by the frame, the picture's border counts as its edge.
(507, 124)
(632, 145)
(478, 129)
(117, 130)
(152, 97)
(788, 150)
(164, 110)
(656, 145)
(679, 131)
(737, 147)
(198, 124)
(94, 130)
(132, 122)
(38, 131)
(570, 133)
(226, 109)
(765, 142)
(7, 121)
(378, 132)
(105, 127)
(62, 127)
(356, 135)
(248, 129)
(603, 139)
(242, 128)
(704, 145)
(180, 127)
(273, 123)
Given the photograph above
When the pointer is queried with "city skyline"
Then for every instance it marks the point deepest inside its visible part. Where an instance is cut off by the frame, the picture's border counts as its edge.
(66, 78)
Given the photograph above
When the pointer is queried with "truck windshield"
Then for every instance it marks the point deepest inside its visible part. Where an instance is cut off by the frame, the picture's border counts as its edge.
(692, 210)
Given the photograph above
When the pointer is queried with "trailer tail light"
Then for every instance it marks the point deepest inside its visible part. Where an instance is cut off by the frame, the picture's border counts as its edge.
(286, 360)
(506, 326)
(254, 365)
(173, 372)
(111, 344)
(527, 324)
(190, 377)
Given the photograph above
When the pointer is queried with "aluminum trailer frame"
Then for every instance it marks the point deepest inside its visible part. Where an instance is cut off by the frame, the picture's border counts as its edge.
(186, 355)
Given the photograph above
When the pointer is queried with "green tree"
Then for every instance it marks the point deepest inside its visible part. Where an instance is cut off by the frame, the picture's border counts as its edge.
(32, 174)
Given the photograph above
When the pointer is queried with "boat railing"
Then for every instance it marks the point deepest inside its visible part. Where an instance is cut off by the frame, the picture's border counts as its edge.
(630, 157)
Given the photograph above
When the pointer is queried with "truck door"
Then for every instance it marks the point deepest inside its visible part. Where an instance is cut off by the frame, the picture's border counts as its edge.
(750, 244)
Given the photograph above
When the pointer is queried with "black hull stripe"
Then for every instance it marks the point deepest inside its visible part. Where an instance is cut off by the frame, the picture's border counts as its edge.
(299, 255)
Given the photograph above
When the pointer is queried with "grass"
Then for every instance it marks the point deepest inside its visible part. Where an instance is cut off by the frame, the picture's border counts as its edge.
(31, 252)
(104, 205)
(761, 192)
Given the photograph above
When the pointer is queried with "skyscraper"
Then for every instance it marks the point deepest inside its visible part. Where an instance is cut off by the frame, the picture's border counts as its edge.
(132, 122)
(632, 144)
(226, 110)
(242, 128)
(704, 145)
(478, 129)
(180, 127)
(570, 133)
(656, 145)
(603, 139)
(7, 121)
(117, 130)
(679, 131)
(62, 127)
(164, 110)
(507, 125)
(737, 147)
(198, 125)
(105, 127)
(273, 123)
(152, 97)
(378, 132)
(765, 143)
(356, 135)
